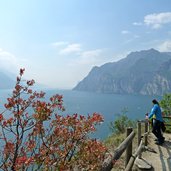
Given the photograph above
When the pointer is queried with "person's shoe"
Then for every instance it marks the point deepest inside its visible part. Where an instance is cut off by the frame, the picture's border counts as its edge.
(163, 139)
(159, 143)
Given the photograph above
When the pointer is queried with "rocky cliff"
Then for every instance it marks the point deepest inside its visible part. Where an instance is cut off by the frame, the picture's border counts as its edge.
(146, 72)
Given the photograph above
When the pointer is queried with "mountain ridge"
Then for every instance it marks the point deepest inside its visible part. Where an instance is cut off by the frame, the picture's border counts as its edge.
(146, 72)
(5, 81)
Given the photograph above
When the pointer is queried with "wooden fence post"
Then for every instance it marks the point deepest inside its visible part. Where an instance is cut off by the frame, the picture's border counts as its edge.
(139, 132)
(146, 133)
(139, 135)
(133, 157)
(108, 162)
(129, 147)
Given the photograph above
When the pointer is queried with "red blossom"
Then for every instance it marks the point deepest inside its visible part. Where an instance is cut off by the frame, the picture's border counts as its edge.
(1, 117)
(24, 160)
(10, 121)
(9, 147)
(22, 71)
(18, 79)
(29, 91)
(18, 87)
(35, 134)
(4, 123)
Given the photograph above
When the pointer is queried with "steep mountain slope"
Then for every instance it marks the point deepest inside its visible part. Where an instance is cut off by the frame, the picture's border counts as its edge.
(146, 72)
(5, 81)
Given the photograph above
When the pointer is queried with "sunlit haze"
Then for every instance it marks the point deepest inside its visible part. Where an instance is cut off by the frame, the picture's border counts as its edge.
(59, 41)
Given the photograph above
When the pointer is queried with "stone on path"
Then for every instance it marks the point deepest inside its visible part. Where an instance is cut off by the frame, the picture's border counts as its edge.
(142, 164)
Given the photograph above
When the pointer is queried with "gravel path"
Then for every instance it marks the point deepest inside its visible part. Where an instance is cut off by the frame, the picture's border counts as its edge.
(159, 156)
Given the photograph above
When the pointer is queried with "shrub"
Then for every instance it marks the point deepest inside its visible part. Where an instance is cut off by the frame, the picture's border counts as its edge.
(35, 137)
(165, 103)
(121, 123)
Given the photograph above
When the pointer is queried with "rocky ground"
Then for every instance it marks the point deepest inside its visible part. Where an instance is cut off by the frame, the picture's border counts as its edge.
(158, 156)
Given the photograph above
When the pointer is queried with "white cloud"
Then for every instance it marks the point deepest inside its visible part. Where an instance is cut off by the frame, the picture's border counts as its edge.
(156, 21)
(137, 23)
(8, 61)
(83, 63)
(91, 53)
(125, 32)
(89, 58)
(165, 46)
(79, 63)
(133, 38)
(71, 48)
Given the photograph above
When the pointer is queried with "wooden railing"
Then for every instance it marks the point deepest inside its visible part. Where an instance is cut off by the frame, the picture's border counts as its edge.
(126, 145)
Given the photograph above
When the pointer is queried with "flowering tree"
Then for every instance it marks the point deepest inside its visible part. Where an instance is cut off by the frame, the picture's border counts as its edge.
(33, 136)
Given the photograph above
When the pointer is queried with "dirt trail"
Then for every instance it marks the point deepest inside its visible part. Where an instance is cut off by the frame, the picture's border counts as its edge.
(159, 156)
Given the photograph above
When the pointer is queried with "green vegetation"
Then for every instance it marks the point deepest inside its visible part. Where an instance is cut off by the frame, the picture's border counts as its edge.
(165, 103)
(118, 128)
(121, 123)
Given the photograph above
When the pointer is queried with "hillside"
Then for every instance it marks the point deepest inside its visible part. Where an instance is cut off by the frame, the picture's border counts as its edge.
(146, 72)
(5, 81)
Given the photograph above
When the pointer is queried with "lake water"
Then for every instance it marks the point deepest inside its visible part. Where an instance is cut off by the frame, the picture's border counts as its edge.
(109, 105)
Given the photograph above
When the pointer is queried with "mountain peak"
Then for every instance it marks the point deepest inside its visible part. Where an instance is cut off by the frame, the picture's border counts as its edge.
(148, 51)
(139, 73)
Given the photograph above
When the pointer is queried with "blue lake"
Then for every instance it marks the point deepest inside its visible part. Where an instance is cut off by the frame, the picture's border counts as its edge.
(109, 105)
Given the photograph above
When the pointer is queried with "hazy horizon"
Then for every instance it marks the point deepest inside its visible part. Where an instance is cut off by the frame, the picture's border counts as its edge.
(59, 41)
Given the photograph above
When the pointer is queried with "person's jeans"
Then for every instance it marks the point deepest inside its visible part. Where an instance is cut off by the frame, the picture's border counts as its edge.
(157, 130)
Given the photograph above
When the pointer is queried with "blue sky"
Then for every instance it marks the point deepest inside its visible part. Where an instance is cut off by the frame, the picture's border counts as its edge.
(59, 41)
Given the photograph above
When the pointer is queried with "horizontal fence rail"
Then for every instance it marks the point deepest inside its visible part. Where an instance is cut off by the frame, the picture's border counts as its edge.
(108, 163)
(126, 145)
(134, 156)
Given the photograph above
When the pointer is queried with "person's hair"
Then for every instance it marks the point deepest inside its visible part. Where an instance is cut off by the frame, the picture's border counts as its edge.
(155, 101)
